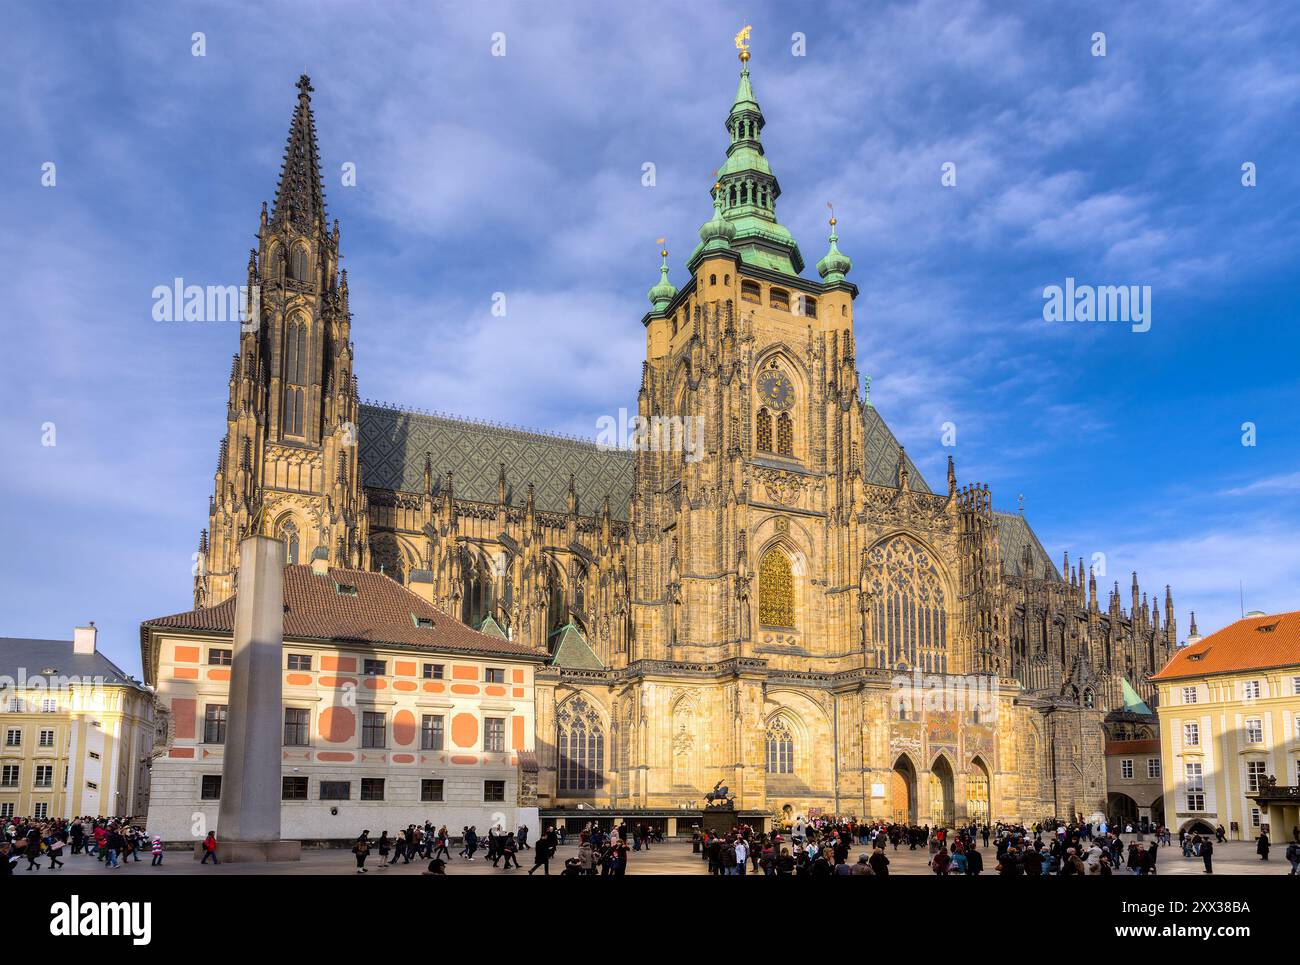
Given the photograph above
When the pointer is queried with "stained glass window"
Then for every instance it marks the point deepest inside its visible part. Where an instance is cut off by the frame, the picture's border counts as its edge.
(582, 747)
(780, 747)
(909, 606)
(776, 590)
(785, 434)
(764, 442)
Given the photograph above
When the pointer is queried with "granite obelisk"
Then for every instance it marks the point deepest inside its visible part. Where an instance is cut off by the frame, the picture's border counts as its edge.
(248, 822)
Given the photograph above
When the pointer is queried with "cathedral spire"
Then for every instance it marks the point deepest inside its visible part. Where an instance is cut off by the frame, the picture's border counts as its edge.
(835, 265)
(747, 188)
(299, 196)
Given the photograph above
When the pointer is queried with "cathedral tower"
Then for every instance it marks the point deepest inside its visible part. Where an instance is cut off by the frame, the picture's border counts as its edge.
(288, 464)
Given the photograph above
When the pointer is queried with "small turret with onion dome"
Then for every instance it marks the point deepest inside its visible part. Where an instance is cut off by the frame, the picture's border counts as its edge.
(716, 234)
(662, 294)
(835, 265)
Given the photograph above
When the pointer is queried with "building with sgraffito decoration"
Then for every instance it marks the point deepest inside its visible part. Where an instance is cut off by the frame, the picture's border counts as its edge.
(737, 613)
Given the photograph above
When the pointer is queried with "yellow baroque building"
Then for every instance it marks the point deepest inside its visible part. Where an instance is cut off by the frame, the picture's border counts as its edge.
(731, 597)
(1230, 727)
(78, 731)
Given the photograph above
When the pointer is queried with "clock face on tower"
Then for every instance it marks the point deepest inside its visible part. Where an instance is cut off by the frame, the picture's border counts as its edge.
(776, 390)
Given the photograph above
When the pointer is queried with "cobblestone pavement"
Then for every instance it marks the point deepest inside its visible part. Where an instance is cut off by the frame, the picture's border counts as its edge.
(666, 859)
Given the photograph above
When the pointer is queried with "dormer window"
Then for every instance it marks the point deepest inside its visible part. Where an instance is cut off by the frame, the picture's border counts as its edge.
(346, 589)
(424, 623)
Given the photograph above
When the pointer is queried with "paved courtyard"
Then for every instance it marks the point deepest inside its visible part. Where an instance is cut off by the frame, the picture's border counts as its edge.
(674, 858)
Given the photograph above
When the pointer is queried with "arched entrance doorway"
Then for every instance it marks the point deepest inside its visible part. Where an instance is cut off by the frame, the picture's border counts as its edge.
(902, 792)
(1123, 809)
(977, 792)
(941, 793)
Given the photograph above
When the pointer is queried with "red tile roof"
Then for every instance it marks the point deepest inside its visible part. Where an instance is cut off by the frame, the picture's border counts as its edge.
(382, 612)
(1255, 643)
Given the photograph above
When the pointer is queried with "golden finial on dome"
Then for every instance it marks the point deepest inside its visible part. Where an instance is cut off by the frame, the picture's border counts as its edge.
(742, 42)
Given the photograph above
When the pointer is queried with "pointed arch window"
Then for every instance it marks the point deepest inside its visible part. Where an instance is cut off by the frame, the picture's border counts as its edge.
(780, 747)
(476, 598)
(785, 434)
(909, 608)
(763, 442)
(298, 266)
(581, 742)
(776, 590)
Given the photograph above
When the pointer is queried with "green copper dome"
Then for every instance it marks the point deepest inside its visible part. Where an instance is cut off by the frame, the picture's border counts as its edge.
(716, 234)
(835, 265)
(662, 294)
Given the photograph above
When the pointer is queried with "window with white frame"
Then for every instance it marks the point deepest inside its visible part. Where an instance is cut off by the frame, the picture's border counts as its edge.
(1254, 776)
(1153, 767)
(9, 775)
(1254, 730)
(1189, 695)
(44, 776)
(49, 706)
(41, 811)
(1192, 734)
(7, 809)
(47, 738)
(1254, 817)
(1195, 784)
(1250, 689)
(14, 737)
(1126, 769)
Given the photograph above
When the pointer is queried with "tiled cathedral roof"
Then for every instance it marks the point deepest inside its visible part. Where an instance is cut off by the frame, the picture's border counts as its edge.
(880, 454)
(394, 443)
(1014, 534)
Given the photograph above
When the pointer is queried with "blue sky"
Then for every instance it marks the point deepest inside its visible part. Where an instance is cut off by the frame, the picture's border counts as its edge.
(522, 174)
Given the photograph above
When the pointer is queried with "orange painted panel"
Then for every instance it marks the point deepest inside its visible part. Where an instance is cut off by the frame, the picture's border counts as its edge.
(404, 668)
(181, 752)
(337, 682)
(519, 691)
(404, 727)
(517, 733)
(184, 710)
(495, 691)
(298, 679)
(517, 676)
(343, 664)
(464, 688)
(337, 724)
(406, 686)
(218, 673)
(334, 756)
(185, 673)
(464, 730)
(433, 688)
(375, 683)
(403, 758)
(464, 759)
(462, 672)
(186, 655)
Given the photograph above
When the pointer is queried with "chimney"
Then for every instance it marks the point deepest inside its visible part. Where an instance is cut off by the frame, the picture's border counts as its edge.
(83, 639)
(320, 561)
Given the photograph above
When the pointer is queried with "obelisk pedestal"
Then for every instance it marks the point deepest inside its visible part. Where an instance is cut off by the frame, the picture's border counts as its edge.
(248, 822)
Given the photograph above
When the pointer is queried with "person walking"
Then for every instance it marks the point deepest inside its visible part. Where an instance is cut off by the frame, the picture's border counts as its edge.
(1261, 846)
(1207, 855)
(157, 850)
(543, 852)
(1293, 855)
(384, 847)
(361, 851)
(508, 848)
(54, 844)
(210, 848)
(440, 842)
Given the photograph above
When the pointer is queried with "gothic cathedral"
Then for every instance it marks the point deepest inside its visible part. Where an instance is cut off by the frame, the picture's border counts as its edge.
(759, 609)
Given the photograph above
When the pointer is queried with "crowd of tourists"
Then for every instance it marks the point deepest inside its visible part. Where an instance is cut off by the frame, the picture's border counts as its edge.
(827, 846)
(29, 844)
